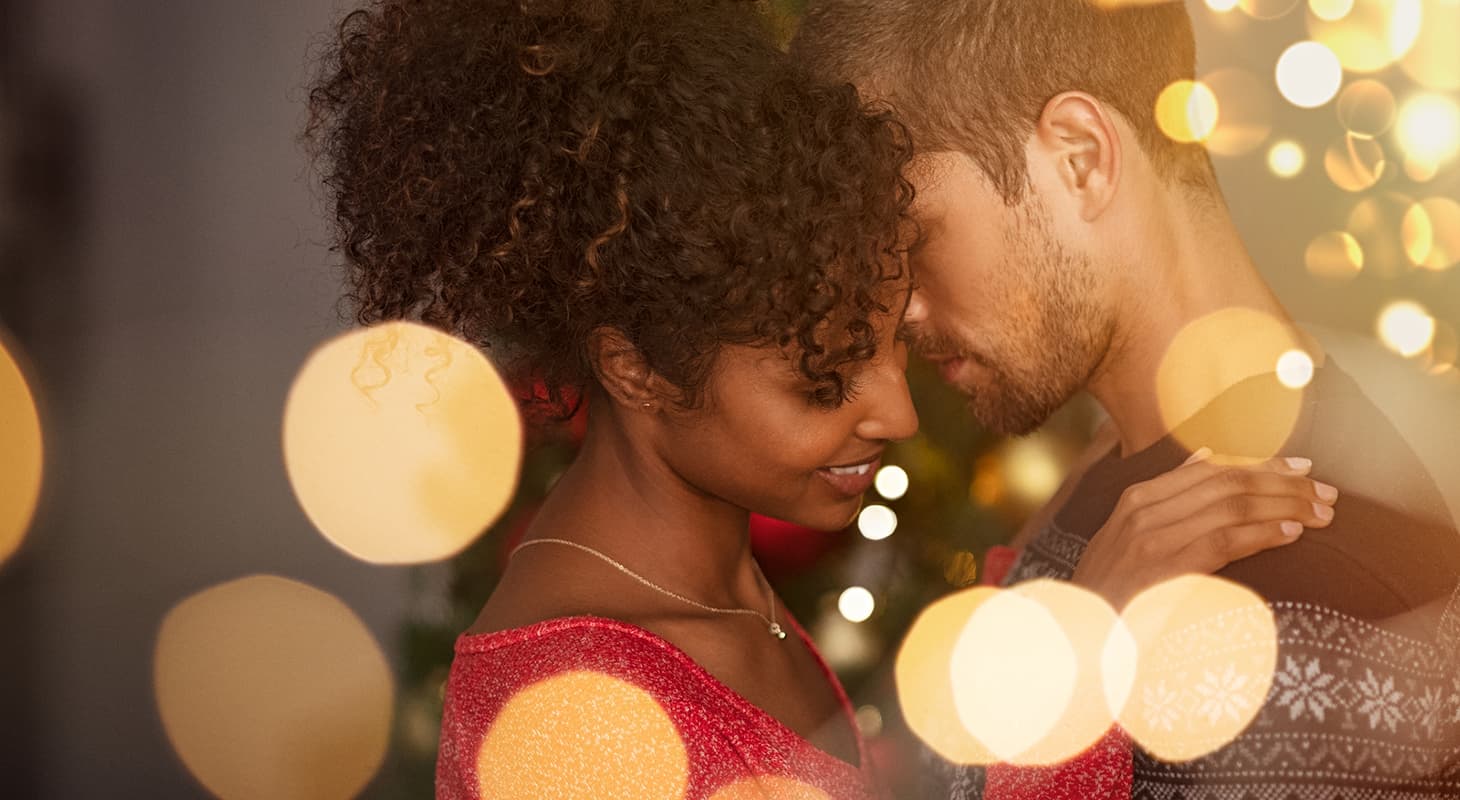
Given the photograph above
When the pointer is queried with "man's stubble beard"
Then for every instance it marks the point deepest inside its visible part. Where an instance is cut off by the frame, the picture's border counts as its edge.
(1049, 353)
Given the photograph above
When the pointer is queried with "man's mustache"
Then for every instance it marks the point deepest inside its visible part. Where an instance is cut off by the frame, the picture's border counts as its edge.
(933, 345)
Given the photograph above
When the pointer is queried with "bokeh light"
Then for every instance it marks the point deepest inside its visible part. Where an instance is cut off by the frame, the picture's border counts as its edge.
(1208, 649)
(1372, 35)
(764, 787)
(1330, 10)
(1221, 6)
(1245, 120)
(892, 482)
(925, 680)
(1084, 623)
(1444, 350)
(1434, 60)
(1406, 327)
(1367, 108)
(1376, 222)
(1014, 674)
(856, 604)
(1268, 9)
(869, 721)
(402, 443)
(1335, 256)
(1309, 74)
(1295, 369)
(877, 522)
(1187, 111)
(1033, 470)
(1354, 163)
(274, 690)
(1419, 170)
(962, 569)
(1251, 342)
(22, 462)
(582, 736)
(1431, 233)
(1286, 158)
(1429, 128)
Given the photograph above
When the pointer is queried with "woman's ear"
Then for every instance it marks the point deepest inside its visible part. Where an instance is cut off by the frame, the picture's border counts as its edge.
(622, 370)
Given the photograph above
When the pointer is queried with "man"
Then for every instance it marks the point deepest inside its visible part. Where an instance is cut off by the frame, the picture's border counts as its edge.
(1068, 245)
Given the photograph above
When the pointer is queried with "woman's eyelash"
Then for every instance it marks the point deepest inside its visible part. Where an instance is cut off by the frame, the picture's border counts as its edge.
(828, 396)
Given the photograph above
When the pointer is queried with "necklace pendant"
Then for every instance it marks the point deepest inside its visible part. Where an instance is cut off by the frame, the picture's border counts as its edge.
(777, 632)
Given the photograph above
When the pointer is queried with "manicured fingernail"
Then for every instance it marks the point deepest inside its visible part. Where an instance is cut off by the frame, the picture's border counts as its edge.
(1300, 464)
(1291, 529)
(1329, 493)
(1201, 455)
(1324, 512)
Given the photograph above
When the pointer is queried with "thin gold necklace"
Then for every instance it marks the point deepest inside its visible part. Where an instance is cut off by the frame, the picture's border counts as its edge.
(771, 624)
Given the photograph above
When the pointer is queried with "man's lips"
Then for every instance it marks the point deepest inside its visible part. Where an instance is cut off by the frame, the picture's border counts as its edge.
(951, 368)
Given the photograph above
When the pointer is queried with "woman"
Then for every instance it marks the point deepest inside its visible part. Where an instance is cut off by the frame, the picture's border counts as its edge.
(645, 202)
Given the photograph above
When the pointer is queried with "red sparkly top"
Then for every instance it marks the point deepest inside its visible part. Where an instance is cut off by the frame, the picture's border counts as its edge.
(582, 707)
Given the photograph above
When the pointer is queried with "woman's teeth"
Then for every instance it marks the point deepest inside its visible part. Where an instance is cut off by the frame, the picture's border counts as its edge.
(860, 469)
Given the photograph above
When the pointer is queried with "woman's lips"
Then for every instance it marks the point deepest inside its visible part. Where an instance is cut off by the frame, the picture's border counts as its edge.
(851, 481)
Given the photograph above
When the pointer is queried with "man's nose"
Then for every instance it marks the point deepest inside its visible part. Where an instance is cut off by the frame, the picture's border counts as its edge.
(917, 308)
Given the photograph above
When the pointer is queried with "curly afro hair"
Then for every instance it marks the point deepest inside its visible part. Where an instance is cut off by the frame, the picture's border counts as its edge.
(521, 174)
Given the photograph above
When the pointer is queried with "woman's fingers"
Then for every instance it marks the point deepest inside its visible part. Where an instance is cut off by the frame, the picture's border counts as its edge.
(1231, 490)
(1214, 550)
(1194, 472)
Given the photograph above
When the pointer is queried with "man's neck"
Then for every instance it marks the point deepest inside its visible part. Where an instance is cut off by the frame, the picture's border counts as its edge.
(1197, 319)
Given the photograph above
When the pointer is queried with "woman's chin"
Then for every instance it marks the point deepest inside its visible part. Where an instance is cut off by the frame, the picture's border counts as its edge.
(830, 519)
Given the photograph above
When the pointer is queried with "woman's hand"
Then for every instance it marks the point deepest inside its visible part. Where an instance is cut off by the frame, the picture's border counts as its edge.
(1201, 517)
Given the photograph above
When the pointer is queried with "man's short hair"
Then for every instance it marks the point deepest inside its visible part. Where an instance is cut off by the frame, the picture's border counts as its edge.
(973, 76)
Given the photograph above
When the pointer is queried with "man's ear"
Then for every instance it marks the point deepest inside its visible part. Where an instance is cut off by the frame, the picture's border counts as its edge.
(1080, 135)
(622, 370)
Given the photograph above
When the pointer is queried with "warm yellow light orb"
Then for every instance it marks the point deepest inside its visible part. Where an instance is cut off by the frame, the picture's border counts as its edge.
(1207, 655)
(877, 522)
(21, 457)
(1354, 163)
(402, 443)
(1367, 108)
(925, 681)
(1429, 128)
(1371, 34)
(1405, 327)
(1187, 111)
(269, 689)
(766, 787)
(1431, 233)
(1295, 369)
(856, 604)
(892, 482)
(1267, 9)
(582, 736)
(1222, 6)
(1330, 10)
(1286, 158)
(1012, 696)
(1309, 74)
(1252, 341)
(1434, 61)
(1335, 255)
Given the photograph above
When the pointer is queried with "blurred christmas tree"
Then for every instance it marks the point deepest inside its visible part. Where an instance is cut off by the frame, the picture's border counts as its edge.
(942, 500)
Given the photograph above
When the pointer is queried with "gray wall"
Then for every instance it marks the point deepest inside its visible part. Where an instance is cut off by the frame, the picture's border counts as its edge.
(165, 318)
